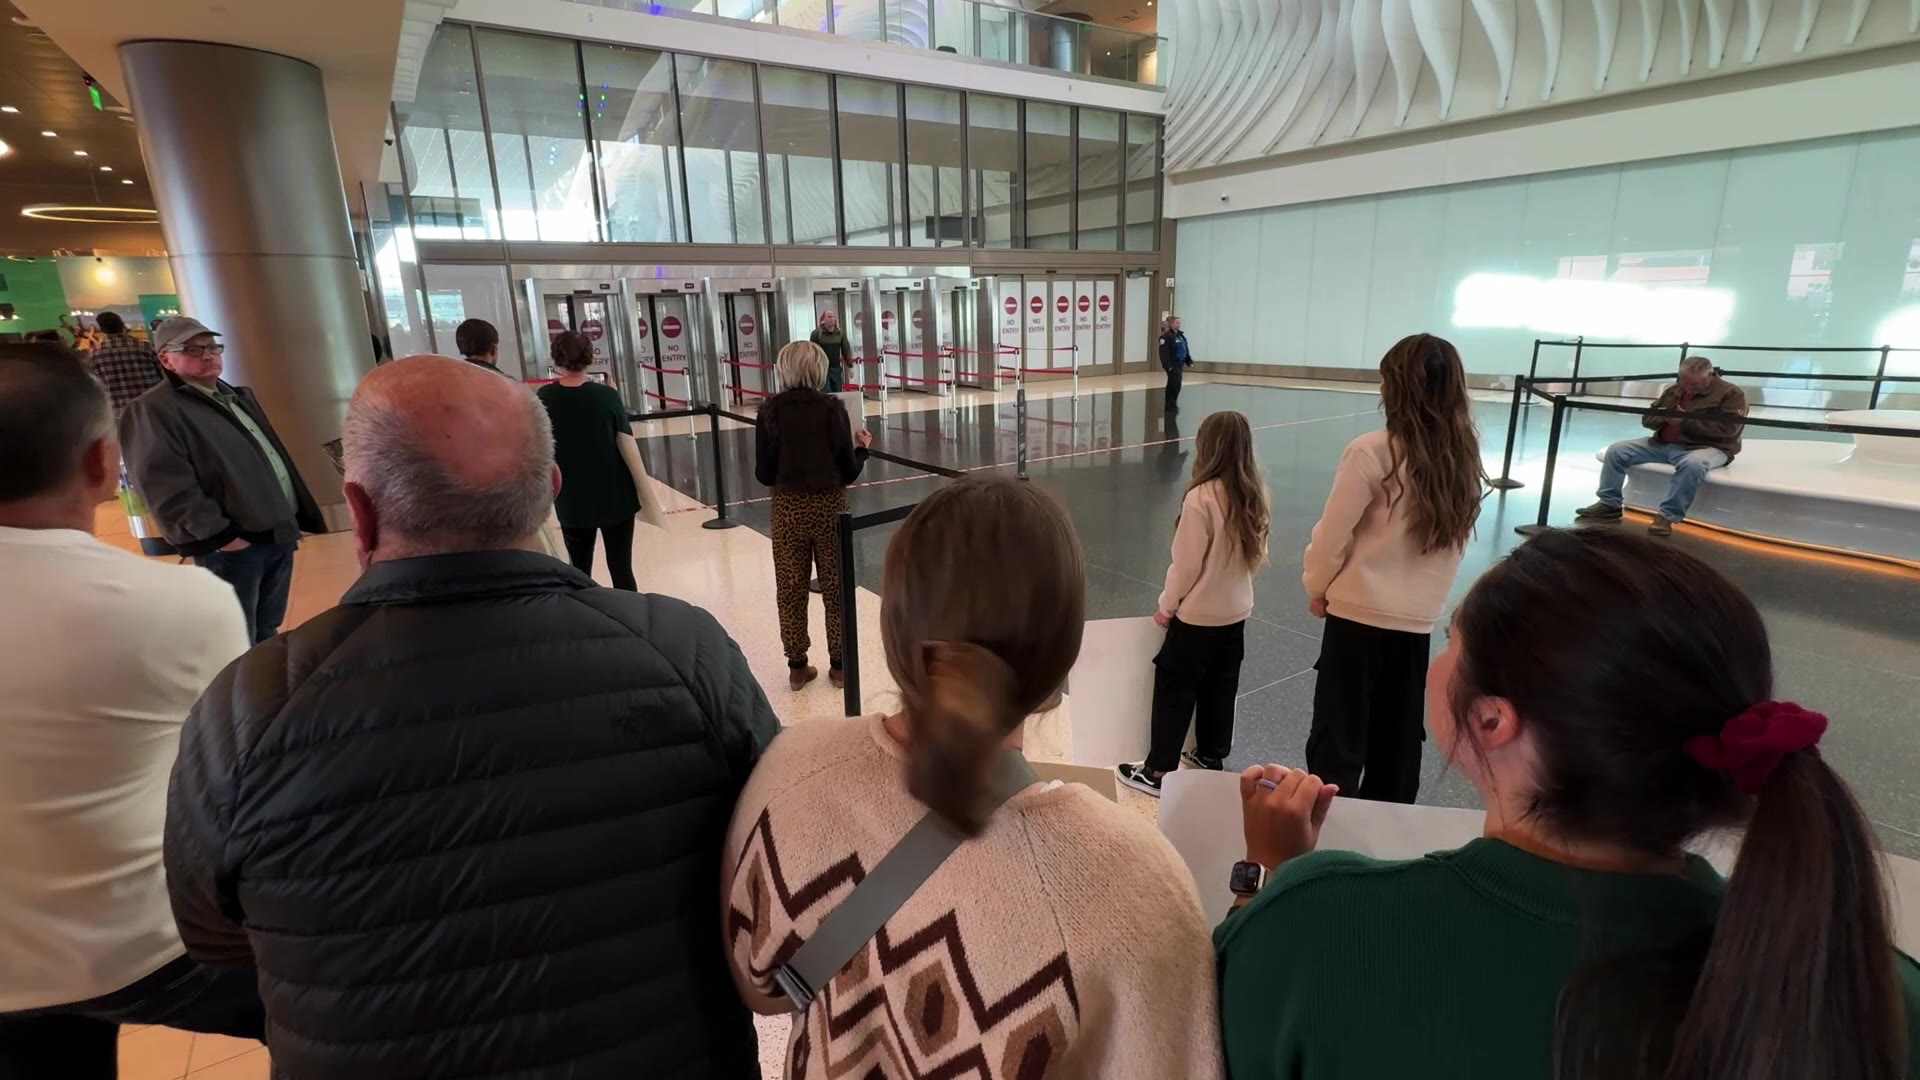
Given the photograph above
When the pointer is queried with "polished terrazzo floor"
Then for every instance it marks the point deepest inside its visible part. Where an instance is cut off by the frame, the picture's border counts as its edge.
(1846, 634)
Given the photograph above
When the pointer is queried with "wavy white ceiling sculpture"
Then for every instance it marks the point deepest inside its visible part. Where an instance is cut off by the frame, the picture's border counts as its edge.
(1250, 78)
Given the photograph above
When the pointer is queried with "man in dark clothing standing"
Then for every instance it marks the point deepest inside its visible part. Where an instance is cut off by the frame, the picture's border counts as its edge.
(1174, 359)
(204, 458)
(479, 344)
(124, 364)
(834, 343)
(470, 821)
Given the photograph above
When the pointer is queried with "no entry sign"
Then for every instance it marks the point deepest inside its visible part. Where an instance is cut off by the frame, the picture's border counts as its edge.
(1013, 306)
(643, 326)
(747, 325)
(670, 326)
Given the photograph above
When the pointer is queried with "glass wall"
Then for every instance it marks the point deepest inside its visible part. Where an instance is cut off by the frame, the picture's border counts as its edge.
(1809, 243)
(636, 141)
(796, 109)
(934, 138)
(523, 137)
(993, 168)
(443, 146)
(1098, 181)
(722, 138)
(1142, 204)
(1049, 188)
(867, 117)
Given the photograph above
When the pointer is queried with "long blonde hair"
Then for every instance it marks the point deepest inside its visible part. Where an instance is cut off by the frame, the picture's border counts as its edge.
(1223, 451)
(1431, 441)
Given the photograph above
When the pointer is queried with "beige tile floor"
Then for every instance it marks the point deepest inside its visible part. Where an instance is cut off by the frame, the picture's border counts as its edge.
(730, 573)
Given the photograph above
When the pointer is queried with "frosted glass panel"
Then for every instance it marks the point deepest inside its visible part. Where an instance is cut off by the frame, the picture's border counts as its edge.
(1804, 244)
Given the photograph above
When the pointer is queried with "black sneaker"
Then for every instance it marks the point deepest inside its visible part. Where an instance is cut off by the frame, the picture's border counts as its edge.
(1138, 777)
(1598, 512)
(1195, 761)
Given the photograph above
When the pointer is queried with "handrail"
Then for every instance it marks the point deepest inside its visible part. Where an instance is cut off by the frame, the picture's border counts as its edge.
(1562, 402)
(970, 14)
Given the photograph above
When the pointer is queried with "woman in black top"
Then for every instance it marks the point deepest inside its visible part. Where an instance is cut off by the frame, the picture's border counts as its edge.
(597, 489)
(806, 450)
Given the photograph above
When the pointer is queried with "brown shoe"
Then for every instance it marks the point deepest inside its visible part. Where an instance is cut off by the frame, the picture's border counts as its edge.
(837, 677)
(798, 677)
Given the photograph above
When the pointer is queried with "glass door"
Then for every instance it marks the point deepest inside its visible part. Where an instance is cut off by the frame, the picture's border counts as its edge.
(663, 340)
(748, 365)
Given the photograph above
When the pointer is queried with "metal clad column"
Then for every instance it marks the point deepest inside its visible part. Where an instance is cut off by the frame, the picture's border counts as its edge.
(240, 155)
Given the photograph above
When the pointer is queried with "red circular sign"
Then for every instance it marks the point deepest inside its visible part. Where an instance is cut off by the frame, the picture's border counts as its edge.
(670, 326)
(747, 325)
(1013, 306)
(918, 318)
(643, 326)
(1060, 304)
(1105, 301)
(886, 318)
(1038, 305)
(1084, 304)
(555, 326)
(592, 329)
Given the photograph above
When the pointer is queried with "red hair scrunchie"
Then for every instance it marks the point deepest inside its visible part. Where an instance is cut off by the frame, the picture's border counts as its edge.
(1753, 744)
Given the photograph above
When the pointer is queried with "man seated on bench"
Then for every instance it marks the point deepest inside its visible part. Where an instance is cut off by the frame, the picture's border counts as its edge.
(1692, 447)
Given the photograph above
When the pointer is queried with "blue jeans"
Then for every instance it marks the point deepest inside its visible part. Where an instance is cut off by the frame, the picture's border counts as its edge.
(1690, 469)
(260, 575)
(834, 381)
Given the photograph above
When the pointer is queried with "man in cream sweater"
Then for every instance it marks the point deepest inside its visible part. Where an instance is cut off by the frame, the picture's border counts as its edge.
(102, 653)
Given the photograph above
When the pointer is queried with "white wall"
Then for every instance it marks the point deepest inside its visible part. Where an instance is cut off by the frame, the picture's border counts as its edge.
(801, 49)
(1810, 243)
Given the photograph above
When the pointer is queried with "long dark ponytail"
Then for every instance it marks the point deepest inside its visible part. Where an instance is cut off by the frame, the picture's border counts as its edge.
(1796, 979)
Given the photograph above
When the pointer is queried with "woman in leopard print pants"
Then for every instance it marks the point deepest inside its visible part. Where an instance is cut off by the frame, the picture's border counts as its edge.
(806, 450)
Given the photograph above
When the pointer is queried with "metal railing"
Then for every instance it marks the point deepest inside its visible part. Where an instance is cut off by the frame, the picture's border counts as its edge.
(976, 28)
(1532, 381)
(1562, 402)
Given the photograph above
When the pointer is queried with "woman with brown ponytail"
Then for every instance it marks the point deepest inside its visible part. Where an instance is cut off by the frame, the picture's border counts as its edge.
(1062, 937)
(1611, 699)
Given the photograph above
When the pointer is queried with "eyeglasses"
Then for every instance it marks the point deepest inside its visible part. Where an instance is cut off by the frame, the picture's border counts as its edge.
(203, 350)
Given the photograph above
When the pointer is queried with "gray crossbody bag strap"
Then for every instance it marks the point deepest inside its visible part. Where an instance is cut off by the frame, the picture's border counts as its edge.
(900, 873)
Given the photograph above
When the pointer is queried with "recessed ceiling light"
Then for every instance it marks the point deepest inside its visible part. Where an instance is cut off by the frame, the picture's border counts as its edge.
(51, 134)
(79, 153)
(19, 21)
(126, 181)
(8, 109)
(106, 168)
(4, 148)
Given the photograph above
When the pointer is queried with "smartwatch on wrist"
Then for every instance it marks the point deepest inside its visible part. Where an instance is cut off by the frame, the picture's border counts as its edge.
(1246, 879)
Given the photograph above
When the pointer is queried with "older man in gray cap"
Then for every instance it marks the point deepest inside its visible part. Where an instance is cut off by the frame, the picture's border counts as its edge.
(216, 479)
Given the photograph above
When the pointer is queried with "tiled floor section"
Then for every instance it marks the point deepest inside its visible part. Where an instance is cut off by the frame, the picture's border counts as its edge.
(1845, 636)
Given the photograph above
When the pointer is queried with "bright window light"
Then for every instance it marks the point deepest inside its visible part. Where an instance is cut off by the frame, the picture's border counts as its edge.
(1611, 310)
(1902, 331)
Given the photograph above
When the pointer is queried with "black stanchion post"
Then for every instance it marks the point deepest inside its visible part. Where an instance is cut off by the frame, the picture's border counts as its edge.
(1554, 424)
(1505, 481)
(1686, 347)
(849, 616)
(1020, 432)
(1533, 366)
(1873, 396)
(721, 520)
(1579, 346)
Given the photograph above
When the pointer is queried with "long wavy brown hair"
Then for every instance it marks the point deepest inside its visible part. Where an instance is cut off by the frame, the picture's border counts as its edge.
(1431, 439)
(1223, 451)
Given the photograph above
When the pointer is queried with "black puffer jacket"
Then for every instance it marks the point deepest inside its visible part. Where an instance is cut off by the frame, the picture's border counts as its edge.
(469, 823)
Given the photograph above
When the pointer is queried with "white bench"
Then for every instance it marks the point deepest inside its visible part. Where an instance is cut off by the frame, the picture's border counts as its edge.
(1861, 496)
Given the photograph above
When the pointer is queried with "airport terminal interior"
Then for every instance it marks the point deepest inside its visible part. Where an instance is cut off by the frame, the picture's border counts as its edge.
(1002, 204)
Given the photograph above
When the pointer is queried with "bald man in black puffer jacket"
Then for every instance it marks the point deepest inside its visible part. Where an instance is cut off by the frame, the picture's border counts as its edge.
(469, 822)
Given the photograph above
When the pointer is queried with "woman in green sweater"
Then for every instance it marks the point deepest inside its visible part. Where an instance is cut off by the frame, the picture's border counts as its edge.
(1609, 696)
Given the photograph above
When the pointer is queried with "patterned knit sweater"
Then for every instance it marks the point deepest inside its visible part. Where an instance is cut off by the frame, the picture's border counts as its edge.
(1065, 941)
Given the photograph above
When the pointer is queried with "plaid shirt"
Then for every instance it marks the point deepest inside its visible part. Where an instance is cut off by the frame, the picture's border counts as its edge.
(127, 366)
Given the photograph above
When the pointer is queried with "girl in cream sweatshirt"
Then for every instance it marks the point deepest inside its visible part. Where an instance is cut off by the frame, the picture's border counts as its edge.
(1379, 567)
(1219, 541)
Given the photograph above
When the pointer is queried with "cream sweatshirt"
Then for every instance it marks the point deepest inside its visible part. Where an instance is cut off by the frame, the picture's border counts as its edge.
(1065, 941)
(1208, 582)
(1363, 560)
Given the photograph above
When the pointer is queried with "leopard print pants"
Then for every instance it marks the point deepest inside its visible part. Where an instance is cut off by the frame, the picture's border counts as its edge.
(803, 544)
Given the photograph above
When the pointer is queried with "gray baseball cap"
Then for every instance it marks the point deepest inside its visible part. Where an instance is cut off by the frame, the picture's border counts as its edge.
(177, 331)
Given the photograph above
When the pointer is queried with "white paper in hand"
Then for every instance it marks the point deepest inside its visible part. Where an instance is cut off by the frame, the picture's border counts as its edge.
(1111, 690)
(1200, 816)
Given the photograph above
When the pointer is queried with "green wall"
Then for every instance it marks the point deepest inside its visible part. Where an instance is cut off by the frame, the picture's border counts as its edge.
(33, 288)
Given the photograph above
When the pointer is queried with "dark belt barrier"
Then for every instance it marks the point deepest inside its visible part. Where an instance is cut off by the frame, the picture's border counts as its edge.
(1532, 384)
(1564, 402)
